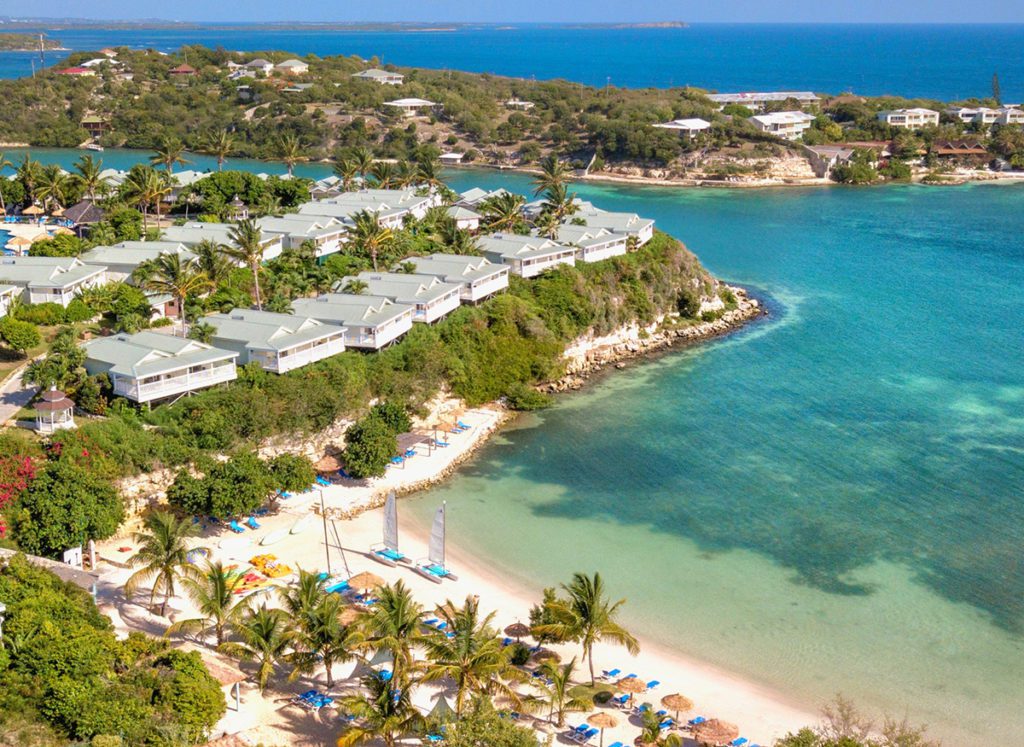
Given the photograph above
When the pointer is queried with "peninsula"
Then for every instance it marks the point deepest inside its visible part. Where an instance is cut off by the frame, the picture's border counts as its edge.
(20, 42)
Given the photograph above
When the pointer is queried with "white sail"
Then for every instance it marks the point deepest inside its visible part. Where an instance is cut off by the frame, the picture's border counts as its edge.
(391, 522)
(436, 553)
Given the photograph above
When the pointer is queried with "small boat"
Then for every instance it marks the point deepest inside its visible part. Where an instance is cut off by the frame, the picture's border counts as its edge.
(93, 146)
(302, 524)
(433, 567)
(387, 552)
(276, 536)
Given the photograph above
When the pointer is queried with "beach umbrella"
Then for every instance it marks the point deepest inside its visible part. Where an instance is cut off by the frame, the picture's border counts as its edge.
(603, 721)
(64, 231)
(545, 653)
(19, 241)
(631, 685)
(57, 212)
(32, 210)
(365, 581)
(676, 702)
(517, 630)
(715, 732)
(328, 464)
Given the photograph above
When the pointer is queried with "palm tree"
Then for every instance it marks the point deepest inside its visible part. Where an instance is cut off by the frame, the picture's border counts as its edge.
(289, 150)
(588, 617)
(384, 174)
(455, 240)
(169, 154)
(263, 637)
(247, 247)
(28, 175)
(162, 555)
(88, 176)
(213, 593)
(363, 159)
(347, 170)
(145, 188)
(320, 636)
(559, 201)
(385, 712)
(53, 185)
(302, 597)
(367, 237)
(553, 174)
(211, 260)
(557, 690)
(4, 164)
(393, 625)
(170, 273)
(406, 174)
(202, 332)
(469, 653)
(503, 212)
(220, 144)
(428, 172)
(355, 287)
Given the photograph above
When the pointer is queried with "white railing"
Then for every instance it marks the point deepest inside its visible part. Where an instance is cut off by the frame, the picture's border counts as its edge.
(306, 355)
(174, 384)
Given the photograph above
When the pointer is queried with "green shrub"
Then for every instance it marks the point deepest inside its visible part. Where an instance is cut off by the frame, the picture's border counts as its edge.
(46, 314)
(522, 397)
(292, 472)
(21, 336)
(369, 446)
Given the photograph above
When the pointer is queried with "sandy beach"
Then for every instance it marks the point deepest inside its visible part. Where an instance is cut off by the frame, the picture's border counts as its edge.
(761, 714)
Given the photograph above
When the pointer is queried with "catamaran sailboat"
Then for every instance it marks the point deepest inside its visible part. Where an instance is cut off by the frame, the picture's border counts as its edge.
(387, 552)
(433, 566)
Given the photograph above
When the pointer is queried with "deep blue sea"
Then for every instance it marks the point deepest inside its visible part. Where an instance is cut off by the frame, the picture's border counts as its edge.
(829, 501)
(938, 61)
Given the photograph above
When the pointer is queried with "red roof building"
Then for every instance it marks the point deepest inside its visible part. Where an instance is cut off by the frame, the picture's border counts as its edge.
(76, 71)
(183, 70)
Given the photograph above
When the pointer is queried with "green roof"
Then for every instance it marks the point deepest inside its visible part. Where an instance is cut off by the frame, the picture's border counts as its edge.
(265, 330)
(150, 353)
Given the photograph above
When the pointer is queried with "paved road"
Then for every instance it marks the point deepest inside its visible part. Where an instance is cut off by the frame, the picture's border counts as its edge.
(13, 396)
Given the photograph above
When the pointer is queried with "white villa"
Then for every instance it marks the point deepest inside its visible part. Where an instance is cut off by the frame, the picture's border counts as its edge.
(391, 205)
(474, 196)
(689, 127)
(477, 277)
(370, 322)
(593, 243)
(7, 294)
(410, 107)
(466, 219)
(259, 65)
(629, 224)
(278, 342)
(195, 232)
(50, 279)
(1004, 115)
(788, 125)
(756, 100)
(526, 256)
(122, 259)
(523, 106)
(384, 77)
(292, 67)
(911, 119)
(326, 233)
(149, 366)
(433, 299)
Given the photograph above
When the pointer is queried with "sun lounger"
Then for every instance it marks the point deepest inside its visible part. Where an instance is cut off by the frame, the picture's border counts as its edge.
(653, 684)
(435, 738)
(441, 444)
(694, 721)
(397, 460)
(739, 742)
(621, 700)
(616, 744)
(610, 674)
(236, 527)
(322, 481)
(252, 523)
(464, 426)
(337, 588)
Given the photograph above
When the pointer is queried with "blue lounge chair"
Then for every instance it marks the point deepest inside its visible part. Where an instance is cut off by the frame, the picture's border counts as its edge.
(739, 742)
(337, 588)
(616, 744)
(397, 460)
(611, 673)
(322, 481)
(621, 700)
(653, 684)
(507, 642)
(435, 738)
(385, 675)
(464, 426)
(236, 527)
(695, 721)
(252, 523)
(441, 444)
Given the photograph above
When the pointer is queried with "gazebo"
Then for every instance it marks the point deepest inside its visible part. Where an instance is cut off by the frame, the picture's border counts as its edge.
(239, 210)
(54, 411)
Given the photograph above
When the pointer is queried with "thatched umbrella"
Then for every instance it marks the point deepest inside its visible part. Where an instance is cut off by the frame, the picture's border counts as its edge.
(676, 702)
(19, 241)
(63, 231)
(328, 464)
(517, 630)
(545, 653)
(602, 721)
(33, 210)
(365, 581)
(631, 685)
(715, 732)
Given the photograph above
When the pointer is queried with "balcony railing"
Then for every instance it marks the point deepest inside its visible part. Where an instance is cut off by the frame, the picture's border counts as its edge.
(178, 383)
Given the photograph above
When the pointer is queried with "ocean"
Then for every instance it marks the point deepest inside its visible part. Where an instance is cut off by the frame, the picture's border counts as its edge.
(828, 501)
(938, 61)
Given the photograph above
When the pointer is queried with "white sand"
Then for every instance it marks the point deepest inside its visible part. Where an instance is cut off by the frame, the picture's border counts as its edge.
(761, 715)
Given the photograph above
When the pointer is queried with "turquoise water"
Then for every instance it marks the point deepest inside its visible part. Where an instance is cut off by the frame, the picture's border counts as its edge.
(829, 501)
(940, 61)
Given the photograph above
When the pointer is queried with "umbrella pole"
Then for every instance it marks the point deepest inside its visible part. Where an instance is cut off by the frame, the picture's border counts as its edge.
(602, 737)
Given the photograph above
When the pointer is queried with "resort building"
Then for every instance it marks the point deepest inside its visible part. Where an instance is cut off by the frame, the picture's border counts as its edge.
(788, 125)
(519, 104)
(370, 322)
(526, 256)
(50, 279)
(194, 232)
(278, 342)
(593, 243)
(432, 299)
(259, 65)
(1010, 115)
(911, 119)
(122, 259)
(384, 77)
(83, 214)
(689, 127)
(475, 196)
(296, 87)
(465, 219)
(758, 100)
(150, 366)
(182, 71)
(410, 107)
(7, 295)
(477, 277)
(292, 67)
(390, 205)
(85, 72)
(451, 159)
(629, 224)
(327, 234)
(97, 125)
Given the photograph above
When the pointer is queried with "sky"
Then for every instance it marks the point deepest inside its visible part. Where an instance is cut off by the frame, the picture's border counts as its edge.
(594, 11)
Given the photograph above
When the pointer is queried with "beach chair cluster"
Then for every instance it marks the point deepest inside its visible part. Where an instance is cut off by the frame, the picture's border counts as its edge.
(237, 528)
(312, 700)
(432, 623)
(582, 734)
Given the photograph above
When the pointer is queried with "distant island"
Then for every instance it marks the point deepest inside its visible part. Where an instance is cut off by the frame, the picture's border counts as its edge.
(16, 42)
